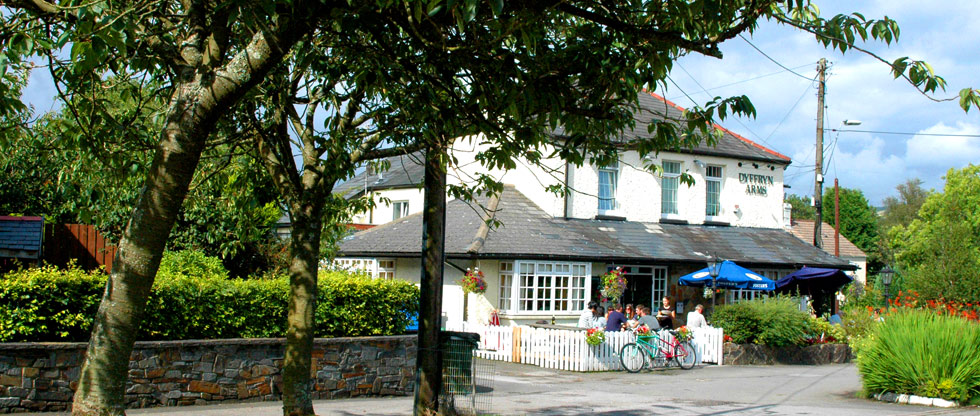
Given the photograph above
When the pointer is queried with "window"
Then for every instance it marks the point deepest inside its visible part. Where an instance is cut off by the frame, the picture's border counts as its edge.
(712, 180)
(669, 185)
(551, 287)
(399, 209)
(608, 178)
(506, 283)
(355, 265)
(739, 295)
(659, 284)
(386, 269)
(379, 269)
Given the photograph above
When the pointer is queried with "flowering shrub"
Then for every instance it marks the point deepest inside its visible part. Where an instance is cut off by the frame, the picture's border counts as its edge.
(682, 334)
(613, 284)
(910, 300)
(473, 282)
(595, 336)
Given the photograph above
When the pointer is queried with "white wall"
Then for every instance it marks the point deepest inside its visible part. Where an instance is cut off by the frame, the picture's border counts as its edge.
(639, 191)
(383, 211)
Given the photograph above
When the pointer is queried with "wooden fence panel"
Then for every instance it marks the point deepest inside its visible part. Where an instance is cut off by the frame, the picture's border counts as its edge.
(79, 242)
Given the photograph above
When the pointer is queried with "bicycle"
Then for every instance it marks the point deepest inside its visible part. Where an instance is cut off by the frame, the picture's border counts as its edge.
(654, 351)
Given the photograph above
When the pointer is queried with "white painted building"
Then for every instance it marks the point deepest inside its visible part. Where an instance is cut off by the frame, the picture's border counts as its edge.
(544, 262)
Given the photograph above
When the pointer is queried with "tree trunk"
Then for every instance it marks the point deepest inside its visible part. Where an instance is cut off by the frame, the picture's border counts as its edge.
(196, 105)
(433, 256)
(297, 384)
(101, 386)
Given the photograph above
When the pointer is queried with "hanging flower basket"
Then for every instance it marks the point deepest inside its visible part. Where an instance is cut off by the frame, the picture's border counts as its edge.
(595, 336)
(613, 284)
(473, 282)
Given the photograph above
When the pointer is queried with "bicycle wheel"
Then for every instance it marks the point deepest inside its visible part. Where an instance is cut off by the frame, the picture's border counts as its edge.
(633, 357)
(685, 355)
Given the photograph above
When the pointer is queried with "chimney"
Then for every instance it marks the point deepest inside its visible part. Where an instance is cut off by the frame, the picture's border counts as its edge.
(787, 215)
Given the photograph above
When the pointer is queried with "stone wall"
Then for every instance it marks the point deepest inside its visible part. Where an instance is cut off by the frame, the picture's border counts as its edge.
(753, 354)
(43, 376)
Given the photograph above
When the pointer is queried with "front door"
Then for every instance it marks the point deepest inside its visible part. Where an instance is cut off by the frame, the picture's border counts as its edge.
(639, 285)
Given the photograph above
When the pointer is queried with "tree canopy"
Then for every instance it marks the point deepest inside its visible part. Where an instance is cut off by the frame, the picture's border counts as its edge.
(904, 208)
(513, 72)
(858, 219)
(940, 250)
(803, 208)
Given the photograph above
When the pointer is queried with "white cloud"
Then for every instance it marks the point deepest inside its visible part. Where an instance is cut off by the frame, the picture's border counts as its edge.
(944, 151)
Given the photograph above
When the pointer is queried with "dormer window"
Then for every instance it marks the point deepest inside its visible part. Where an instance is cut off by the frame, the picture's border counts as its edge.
(669, 187)
(608, 179)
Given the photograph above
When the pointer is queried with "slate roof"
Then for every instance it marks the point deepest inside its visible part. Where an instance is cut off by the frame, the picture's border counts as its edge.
(21, 237)
(654, 107)
(804, 230)
(406, 171)
(530, 233)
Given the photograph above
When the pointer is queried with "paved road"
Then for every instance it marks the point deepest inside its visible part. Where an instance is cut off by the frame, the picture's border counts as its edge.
(729, 390)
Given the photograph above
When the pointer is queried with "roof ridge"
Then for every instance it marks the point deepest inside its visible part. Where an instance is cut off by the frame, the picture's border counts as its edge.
(716, 125)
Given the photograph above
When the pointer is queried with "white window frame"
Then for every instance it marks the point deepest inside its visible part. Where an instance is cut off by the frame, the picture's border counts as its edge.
(708, 180)
(613, 170)
(574, 279)
(506, 274)
(373, 267)
(364, 265)
(739, 295)
(673, 177)
(385, 269)
(399, 209)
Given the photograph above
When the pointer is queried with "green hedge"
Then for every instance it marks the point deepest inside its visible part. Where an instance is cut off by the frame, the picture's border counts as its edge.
(775, 321)
(925, 354)
(47, 304)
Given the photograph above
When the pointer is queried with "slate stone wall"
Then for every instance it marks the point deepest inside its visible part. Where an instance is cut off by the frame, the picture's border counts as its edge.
(753, 354)
(43, 376)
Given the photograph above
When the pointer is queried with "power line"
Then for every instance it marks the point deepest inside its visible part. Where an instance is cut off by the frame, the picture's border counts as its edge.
(774, 61)
(902, 133)
(805, 90)
(745, 80)
(704, 90)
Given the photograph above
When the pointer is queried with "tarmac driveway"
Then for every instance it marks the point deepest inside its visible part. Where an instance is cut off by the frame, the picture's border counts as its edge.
(711, 390)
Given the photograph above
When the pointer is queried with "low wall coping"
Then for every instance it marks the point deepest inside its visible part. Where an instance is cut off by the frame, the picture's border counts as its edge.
(14, 346)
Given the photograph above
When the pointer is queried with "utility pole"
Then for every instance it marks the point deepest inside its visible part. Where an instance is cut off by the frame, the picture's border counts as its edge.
(836, 219)
(818, 177)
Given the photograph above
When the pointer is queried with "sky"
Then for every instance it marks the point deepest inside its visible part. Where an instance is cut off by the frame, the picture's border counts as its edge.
(858, 87)
(943, 33)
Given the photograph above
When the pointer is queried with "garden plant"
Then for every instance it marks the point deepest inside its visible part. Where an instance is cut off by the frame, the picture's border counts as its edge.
(925, 354)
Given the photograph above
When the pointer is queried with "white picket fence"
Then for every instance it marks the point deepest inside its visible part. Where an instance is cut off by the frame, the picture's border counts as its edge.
(567, 350)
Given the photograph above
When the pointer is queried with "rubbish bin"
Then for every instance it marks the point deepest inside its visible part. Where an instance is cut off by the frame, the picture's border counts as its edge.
(458, 378)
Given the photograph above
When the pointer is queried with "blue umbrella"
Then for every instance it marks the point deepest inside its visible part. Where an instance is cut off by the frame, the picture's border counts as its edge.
(730, 275)
(810, 280)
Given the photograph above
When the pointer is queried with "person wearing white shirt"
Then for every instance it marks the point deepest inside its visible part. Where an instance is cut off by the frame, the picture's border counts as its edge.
(588, 317)
(695, 319)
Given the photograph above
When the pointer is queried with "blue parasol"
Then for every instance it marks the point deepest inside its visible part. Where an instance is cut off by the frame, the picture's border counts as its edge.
(811, 280)
(730, 275)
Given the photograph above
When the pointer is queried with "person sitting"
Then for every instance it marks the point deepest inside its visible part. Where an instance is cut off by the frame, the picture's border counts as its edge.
(600, 320)
(588, 317)
(616, 320)
(695, 318)
(630, 313)
(646, 319)
(666, 314)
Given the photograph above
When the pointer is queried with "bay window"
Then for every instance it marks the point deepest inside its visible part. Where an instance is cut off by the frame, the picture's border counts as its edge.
(545, 287)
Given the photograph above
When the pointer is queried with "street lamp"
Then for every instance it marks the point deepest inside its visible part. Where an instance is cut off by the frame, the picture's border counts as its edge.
(713, 267)
(886, 279)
